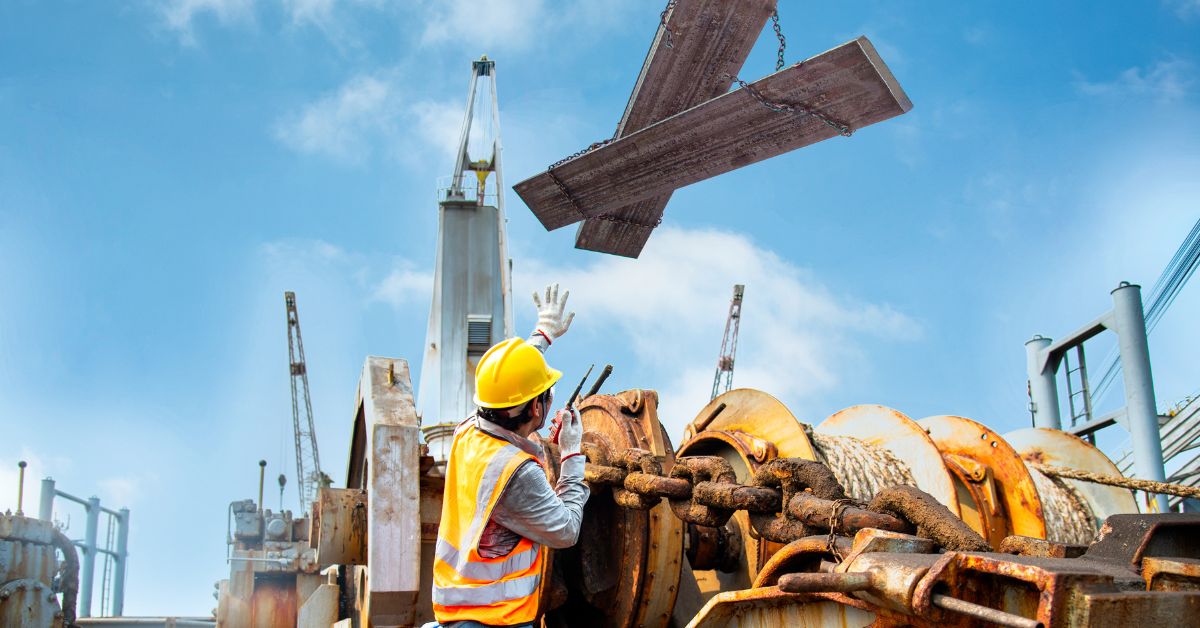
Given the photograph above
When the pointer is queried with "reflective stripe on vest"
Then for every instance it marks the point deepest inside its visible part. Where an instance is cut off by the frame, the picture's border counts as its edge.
(514, 562)
(495, 591)
(485, 594)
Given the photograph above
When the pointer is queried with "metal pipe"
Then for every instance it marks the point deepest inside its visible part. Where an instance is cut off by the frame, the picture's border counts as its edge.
(176, 622)
(71, 498)
(262, 474)
(984, 613)
(699, 427)
(600, 380)
(46, 506)
(824, 582)
(122, 556)
(21, 488)
(1140, 406)
(89, 557)
(1043, 387)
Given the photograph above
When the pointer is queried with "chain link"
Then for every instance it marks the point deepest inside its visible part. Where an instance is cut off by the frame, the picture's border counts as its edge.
(779, 63)
(562, 187)
(784, 502)
(802, 110)
(626, 221)
(834, 512)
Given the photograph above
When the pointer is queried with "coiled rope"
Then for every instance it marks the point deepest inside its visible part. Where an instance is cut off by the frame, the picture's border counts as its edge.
(1068, 517)
(862, 468)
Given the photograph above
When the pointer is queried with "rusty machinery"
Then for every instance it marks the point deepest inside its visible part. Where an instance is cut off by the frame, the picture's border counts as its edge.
(32, 574)
(274, 572)
(758, 519)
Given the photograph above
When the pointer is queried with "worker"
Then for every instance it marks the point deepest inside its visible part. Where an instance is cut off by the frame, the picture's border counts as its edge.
(500, 516)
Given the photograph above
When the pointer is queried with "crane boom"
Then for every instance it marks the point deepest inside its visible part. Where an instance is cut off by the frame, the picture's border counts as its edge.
(723, 379)
(308, 459)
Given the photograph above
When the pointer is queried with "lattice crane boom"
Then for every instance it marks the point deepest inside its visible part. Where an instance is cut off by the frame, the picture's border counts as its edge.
(308, 460)
(723, 380)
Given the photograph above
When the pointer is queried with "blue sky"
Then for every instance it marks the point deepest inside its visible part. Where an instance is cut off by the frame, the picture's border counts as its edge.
(168, 169)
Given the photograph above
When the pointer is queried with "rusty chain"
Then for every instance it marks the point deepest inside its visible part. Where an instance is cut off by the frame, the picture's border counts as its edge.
(788, 499)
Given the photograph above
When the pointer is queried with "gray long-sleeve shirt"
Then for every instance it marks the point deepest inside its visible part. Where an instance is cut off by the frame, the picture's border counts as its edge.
(529, 507)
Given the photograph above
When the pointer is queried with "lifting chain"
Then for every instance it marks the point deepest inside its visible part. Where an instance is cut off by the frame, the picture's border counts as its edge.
(788, 499)
(801, 110)
(562, 187)
(779, 62)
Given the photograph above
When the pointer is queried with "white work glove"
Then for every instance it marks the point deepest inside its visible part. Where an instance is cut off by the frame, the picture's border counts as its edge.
(552, 323)
(566, 431)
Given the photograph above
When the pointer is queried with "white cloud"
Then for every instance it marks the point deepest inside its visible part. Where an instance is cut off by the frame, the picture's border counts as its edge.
(122, 491)
(797, 340)
(370, 115)
(439, 125)
(520, 24)
(313, 11)
(404, 286)
(179, 14)
(1185, 8)
(1165, 81)
(343, 124)
(507, 23)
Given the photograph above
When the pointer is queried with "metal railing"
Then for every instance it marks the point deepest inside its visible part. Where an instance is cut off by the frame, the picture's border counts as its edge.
(115, 549)
(467, 189)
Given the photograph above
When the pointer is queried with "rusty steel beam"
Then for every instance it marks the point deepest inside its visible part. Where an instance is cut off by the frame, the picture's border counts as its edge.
(848, 86)
(700, 46)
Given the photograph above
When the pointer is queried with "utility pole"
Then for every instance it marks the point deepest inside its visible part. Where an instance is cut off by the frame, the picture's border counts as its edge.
(729, 344)
(308, 460)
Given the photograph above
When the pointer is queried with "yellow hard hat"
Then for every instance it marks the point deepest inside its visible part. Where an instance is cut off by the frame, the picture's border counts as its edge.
(511, 373)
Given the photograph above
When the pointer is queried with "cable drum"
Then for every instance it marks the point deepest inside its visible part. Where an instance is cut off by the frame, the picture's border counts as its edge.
(862, 468)
(1068, 516)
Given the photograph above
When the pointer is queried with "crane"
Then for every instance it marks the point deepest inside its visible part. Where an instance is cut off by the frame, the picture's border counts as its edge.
(729, 344)
(309, 476)
(471, 308)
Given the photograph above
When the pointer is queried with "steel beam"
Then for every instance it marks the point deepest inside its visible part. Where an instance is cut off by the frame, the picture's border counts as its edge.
(698, 49)
(849, 85)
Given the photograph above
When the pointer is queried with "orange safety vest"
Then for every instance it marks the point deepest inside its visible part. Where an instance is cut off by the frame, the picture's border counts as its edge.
(500, 591)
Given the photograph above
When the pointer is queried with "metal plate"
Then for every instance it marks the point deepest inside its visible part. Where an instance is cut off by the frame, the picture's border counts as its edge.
(905, 439)
(1005, 498)
(1066, 450)
(849, 84)
(695, 61)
